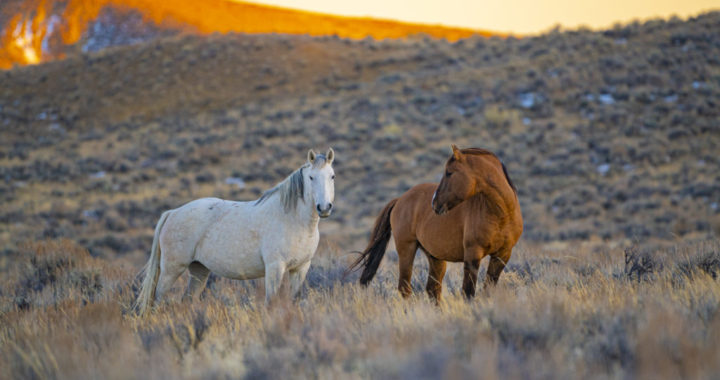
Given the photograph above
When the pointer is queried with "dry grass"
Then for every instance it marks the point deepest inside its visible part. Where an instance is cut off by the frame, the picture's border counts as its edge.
(569, 314)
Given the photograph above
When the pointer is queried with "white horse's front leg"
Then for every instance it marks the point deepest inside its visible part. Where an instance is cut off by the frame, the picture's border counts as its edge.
(273, 276)
(297, 277)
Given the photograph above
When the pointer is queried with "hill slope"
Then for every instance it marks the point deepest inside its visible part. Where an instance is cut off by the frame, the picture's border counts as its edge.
(609, 136)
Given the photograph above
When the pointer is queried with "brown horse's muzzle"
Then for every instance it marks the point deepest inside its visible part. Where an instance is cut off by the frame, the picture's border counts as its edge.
(438, 207)
(444, 200)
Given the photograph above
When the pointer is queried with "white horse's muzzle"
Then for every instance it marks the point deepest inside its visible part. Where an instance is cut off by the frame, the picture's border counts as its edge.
(324, 212)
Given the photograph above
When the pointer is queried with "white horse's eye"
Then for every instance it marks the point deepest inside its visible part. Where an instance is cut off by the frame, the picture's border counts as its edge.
(311, 178)
(333, 177)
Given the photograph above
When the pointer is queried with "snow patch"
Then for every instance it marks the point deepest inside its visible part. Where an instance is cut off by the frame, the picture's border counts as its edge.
(603, 169)
(606, 99)
(235, 181)
(527, 100)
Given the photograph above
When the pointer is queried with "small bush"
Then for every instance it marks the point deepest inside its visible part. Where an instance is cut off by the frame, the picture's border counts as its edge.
(641, 265)
(61, 266)
(708, 262)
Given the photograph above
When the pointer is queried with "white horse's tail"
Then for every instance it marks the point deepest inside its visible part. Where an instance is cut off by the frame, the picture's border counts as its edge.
(152, 270)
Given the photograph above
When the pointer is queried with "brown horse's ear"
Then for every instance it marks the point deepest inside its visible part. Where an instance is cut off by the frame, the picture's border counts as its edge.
(311, 156)
(330, 156)
(456, 153)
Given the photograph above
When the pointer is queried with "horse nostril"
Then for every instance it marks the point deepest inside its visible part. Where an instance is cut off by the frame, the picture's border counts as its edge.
(329, 206)
(318, 208)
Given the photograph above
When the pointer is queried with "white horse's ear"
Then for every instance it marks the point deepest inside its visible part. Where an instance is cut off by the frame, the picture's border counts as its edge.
(311, 156)
(330, 155)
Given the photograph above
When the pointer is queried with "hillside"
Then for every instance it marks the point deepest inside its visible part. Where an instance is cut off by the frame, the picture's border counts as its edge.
(610, 136)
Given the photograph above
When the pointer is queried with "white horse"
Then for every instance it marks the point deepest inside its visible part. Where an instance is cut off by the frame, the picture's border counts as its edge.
(275, 234)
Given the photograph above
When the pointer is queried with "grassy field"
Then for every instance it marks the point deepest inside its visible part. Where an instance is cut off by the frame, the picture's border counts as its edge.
(611, 137)
(554, 314)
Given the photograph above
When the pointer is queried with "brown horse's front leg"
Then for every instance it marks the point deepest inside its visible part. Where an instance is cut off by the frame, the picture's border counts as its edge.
(471, 268)
(436, 273)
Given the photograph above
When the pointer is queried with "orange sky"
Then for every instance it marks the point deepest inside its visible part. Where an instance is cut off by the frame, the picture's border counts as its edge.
(511, 16)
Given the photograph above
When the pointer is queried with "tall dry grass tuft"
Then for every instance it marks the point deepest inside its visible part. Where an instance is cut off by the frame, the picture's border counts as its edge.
(52, 272)
(557, 314)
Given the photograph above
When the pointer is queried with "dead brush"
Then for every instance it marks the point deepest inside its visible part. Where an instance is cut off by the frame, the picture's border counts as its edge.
(58, 270)
(641, 265)
(708, 262)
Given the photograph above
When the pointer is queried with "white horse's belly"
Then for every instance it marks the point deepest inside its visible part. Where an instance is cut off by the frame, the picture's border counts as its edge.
(236, 265)
(232, 251)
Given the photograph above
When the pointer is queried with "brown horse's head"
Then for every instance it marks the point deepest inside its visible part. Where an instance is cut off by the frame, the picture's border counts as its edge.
(457, 184)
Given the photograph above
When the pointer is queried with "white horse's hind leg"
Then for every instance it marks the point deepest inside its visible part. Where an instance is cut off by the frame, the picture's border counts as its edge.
(274, 273)
(297, 277)
(168, 275)
(198, 276)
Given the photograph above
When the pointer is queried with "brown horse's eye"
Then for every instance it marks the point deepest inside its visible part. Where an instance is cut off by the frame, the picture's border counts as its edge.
(447, 174)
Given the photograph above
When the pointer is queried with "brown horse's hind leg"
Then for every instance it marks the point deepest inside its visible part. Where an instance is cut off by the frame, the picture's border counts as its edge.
(406, 255)
(471, 268)
(436, 272)
(495, 268)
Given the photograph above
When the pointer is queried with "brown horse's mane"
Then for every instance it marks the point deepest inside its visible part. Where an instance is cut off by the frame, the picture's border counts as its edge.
(481, 152)
(477, 151)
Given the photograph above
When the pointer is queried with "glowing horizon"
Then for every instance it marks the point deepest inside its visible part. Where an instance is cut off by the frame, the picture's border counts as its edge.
(519, 17)
(24, 36)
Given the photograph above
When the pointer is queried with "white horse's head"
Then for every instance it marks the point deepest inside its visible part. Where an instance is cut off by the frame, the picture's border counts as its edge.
(321, 178)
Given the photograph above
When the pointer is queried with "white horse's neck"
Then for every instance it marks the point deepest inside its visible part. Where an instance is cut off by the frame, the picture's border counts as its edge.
(305, 210)
(303, 215)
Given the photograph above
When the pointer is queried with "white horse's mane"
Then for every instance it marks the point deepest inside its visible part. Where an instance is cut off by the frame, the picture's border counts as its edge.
(292, 188)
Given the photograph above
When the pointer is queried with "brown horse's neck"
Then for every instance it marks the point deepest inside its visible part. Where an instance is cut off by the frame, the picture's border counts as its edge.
(492, 189)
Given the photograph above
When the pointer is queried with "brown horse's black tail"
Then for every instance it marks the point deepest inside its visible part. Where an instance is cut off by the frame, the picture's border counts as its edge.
(372, 255)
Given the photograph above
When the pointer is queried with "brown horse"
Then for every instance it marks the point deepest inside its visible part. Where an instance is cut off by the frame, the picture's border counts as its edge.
(473, 213)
